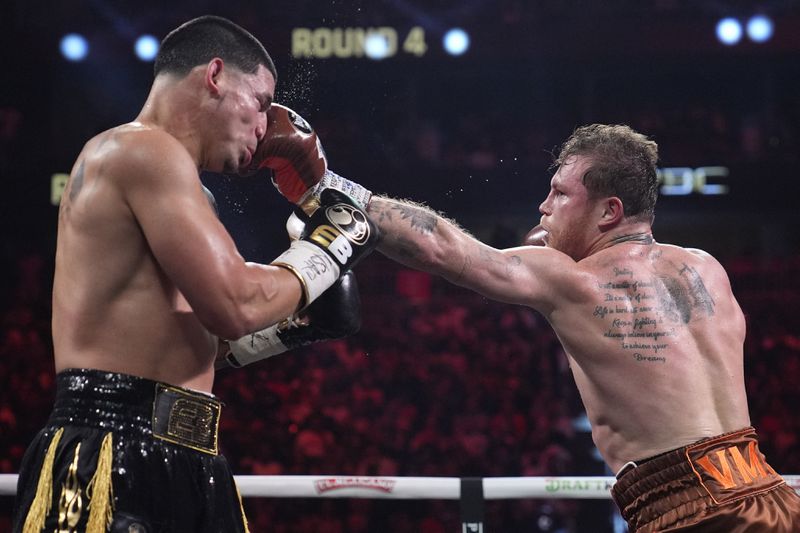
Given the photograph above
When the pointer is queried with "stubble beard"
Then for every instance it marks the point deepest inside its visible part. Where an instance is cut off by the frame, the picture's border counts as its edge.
(569, 240)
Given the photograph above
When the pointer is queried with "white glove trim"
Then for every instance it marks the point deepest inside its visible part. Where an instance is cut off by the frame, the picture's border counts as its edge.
(313, 267)
(256, 346)
(294, 226)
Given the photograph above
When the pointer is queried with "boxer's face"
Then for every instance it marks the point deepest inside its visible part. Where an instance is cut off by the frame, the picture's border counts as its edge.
(568, 214)
(243, 106)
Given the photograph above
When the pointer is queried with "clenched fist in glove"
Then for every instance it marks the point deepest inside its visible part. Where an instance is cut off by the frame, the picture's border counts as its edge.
(292, 150)
(335, 314)
(535, 237)
(336, 236)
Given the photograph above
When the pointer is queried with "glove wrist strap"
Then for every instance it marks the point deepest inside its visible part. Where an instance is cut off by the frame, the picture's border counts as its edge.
(331, 180)
(256, 346)
(314, 268)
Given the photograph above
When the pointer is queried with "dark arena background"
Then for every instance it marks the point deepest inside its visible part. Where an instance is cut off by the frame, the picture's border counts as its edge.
(439, 381)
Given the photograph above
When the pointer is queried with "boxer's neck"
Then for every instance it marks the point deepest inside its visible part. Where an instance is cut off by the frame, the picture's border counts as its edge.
(644, 237)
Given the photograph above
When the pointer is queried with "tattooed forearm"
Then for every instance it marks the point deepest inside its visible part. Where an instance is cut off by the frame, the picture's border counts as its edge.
(466, 264)
(383, 215)
(420, 218)
(419, 237)
(407, 250)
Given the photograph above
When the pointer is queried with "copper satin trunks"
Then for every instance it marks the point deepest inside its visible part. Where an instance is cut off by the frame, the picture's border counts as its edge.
(719, 484)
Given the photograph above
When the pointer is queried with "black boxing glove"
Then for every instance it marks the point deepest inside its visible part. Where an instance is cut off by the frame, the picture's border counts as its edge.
(337, 235)
(335, 314)
(292, 150)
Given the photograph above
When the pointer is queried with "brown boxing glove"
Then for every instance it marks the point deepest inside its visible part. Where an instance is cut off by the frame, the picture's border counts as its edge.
(292, 150)
(535, 237)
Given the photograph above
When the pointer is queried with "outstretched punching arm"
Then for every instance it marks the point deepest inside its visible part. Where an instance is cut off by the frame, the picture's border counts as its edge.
(420, 238)
(413, 234)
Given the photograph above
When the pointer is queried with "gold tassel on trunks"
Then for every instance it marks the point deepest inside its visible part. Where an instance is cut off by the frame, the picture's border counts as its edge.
(101, 491)
(43, 500)
(241, 507)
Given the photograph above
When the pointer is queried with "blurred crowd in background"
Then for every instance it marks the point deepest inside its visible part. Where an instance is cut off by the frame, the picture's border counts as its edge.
(439, 382)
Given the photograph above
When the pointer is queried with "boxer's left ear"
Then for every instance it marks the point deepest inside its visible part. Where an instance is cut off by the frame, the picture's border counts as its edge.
(612, 212)
(212, 74)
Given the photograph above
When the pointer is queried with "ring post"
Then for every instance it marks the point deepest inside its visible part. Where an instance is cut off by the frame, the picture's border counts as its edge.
(472, 505)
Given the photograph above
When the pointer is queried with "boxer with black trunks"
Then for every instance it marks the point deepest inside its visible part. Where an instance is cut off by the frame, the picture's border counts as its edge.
(147, 281)
(653, 333)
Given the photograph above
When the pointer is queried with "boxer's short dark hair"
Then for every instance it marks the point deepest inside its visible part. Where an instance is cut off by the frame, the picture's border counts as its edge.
(202, 39)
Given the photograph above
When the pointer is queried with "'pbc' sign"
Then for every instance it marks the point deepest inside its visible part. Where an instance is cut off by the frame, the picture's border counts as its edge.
(680, 181)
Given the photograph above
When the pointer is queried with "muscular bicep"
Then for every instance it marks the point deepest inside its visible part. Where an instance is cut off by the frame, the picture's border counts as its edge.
(182, 231)
(187, 240)
(163, 190)
(528, 275)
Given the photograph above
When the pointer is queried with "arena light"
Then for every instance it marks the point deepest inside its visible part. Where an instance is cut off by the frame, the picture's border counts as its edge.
(729, 31)
(759, 28)
(376, 45)
(74, 47)
(456, 41)
(146, 47)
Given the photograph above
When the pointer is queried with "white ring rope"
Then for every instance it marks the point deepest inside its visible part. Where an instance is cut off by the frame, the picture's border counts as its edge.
(413, 488)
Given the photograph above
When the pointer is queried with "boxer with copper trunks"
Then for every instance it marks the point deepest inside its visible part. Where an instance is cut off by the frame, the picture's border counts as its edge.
(653, 333)
(718, 484)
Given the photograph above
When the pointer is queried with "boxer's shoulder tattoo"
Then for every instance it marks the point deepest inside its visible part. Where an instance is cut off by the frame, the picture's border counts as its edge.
(674, 300)
(702, 300)
(420, 218)
(76, 184)
(681, 296)
(71, 191)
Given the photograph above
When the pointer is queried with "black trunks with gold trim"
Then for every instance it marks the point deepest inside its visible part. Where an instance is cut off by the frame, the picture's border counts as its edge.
(186, 418)
(121, 402)
(121, 452)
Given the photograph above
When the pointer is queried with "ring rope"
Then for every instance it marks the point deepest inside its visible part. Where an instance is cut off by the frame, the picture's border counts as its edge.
(413, 488)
